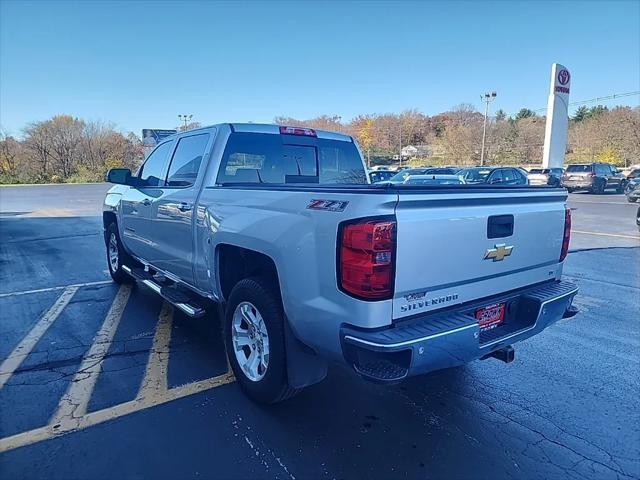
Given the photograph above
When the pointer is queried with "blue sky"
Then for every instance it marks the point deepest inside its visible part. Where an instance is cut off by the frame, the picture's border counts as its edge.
(141, 64)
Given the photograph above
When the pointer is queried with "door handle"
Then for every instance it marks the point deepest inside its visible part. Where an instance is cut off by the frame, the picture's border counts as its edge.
(184, 207)
(146, 202)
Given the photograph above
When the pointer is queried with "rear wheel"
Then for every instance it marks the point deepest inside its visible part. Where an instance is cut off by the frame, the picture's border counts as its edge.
(254, 337)
(598, 188)
(116, 256)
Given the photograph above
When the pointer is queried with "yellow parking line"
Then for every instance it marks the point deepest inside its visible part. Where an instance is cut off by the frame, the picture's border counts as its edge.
(633, 237)
(51, 289)
(155, 377)
(16, 357)
(73, 404)
(94, 418)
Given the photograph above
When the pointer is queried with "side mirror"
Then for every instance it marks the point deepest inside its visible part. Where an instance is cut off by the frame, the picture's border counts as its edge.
(121, 176)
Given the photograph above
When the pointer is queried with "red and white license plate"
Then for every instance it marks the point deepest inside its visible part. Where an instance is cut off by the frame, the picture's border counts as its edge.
(490, 316)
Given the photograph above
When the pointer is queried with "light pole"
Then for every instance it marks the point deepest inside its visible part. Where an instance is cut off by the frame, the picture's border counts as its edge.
(185, 118)
(400, 141)
(487, 98)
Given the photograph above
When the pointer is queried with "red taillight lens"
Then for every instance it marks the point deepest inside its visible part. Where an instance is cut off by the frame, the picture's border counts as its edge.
(305, 132)
(366, 258)
(567, 235)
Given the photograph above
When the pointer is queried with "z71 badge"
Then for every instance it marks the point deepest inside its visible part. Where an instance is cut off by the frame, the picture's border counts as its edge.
(328, 205)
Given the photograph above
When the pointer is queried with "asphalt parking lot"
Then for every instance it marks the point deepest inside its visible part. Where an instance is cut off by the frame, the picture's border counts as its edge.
(102, 381)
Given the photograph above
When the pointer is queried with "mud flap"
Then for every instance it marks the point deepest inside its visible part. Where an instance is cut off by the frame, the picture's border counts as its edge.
(304, 367)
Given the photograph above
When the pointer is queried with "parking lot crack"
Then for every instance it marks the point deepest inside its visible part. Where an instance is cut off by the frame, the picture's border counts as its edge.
(615, 467)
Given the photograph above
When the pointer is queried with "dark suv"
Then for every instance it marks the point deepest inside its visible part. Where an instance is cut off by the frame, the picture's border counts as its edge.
(594, 177)
(508, 176)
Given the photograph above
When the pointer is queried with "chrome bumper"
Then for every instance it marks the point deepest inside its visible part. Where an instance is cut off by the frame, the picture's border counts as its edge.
(453, 337)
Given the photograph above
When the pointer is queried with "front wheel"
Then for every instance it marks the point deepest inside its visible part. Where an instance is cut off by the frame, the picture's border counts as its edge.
(115, 255)
(621, 188)
(254, 338)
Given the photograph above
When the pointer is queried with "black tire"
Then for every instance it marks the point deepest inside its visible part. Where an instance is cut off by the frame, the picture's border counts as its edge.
(571, 190)
(621, 187)
(598, 188)
(115, 268)
(273, 387)
(632, 200)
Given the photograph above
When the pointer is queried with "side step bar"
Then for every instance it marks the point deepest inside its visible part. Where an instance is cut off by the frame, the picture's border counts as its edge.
(175, 297)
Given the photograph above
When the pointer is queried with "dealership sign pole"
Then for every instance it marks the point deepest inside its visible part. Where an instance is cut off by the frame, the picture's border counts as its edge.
(555, 134)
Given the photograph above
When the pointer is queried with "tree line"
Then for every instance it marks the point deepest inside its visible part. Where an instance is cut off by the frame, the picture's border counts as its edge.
(455, 137)
(68, 149)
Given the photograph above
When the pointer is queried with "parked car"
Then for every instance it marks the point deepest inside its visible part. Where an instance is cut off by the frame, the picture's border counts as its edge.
(311, 264)
(380, 175)
(628, 170)
(633, 194)
(434, 180)
(594, 177)
(545, 176)
(402, 176)
(504, 176)
(634, 173)
(638, 218)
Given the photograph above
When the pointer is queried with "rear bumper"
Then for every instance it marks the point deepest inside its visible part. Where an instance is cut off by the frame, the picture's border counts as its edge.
(577, 183)
(453, 337)
(538, 181)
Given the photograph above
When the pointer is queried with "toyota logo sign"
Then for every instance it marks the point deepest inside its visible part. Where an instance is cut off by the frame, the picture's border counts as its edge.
(563, 77)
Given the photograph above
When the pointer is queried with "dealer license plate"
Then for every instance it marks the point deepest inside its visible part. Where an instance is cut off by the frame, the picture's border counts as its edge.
(490, 316)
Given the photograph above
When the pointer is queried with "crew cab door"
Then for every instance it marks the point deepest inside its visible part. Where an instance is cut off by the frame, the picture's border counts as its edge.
(137, 202)
(173, 210)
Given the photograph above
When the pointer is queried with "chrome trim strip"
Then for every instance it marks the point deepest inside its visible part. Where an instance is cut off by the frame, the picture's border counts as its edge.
(409, 342)
(459, 329)
(531, 327)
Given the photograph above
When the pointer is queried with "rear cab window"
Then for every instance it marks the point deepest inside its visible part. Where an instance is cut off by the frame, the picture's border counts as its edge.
(286, 159)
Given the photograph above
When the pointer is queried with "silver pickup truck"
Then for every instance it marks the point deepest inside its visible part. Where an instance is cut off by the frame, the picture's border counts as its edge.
(312, 264)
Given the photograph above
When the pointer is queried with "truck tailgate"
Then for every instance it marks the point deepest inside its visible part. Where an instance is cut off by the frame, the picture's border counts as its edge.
(458, 247)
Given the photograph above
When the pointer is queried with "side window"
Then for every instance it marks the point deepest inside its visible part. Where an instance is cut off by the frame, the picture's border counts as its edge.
(496, 177)
(602, 170)
(152, 171)
(509, 175)
(186, 160)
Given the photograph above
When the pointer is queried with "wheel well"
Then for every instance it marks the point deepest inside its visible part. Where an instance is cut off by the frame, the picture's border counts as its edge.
(236, 263)
(107, 219)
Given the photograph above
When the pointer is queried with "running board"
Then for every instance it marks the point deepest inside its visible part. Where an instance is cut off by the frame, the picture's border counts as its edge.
(176, 298)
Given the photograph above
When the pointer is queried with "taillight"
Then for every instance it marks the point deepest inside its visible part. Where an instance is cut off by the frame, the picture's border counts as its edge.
(567, 235)
(366, 257)
(305, 132)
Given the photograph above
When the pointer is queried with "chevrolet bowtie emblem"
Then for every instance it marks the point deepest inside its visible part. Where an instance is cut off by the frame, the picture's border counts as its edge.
(498, 253)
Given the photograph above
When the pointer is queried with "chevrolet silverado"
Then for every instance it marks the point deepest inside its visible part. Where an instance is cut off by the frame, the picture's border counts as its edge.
(281, 230)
